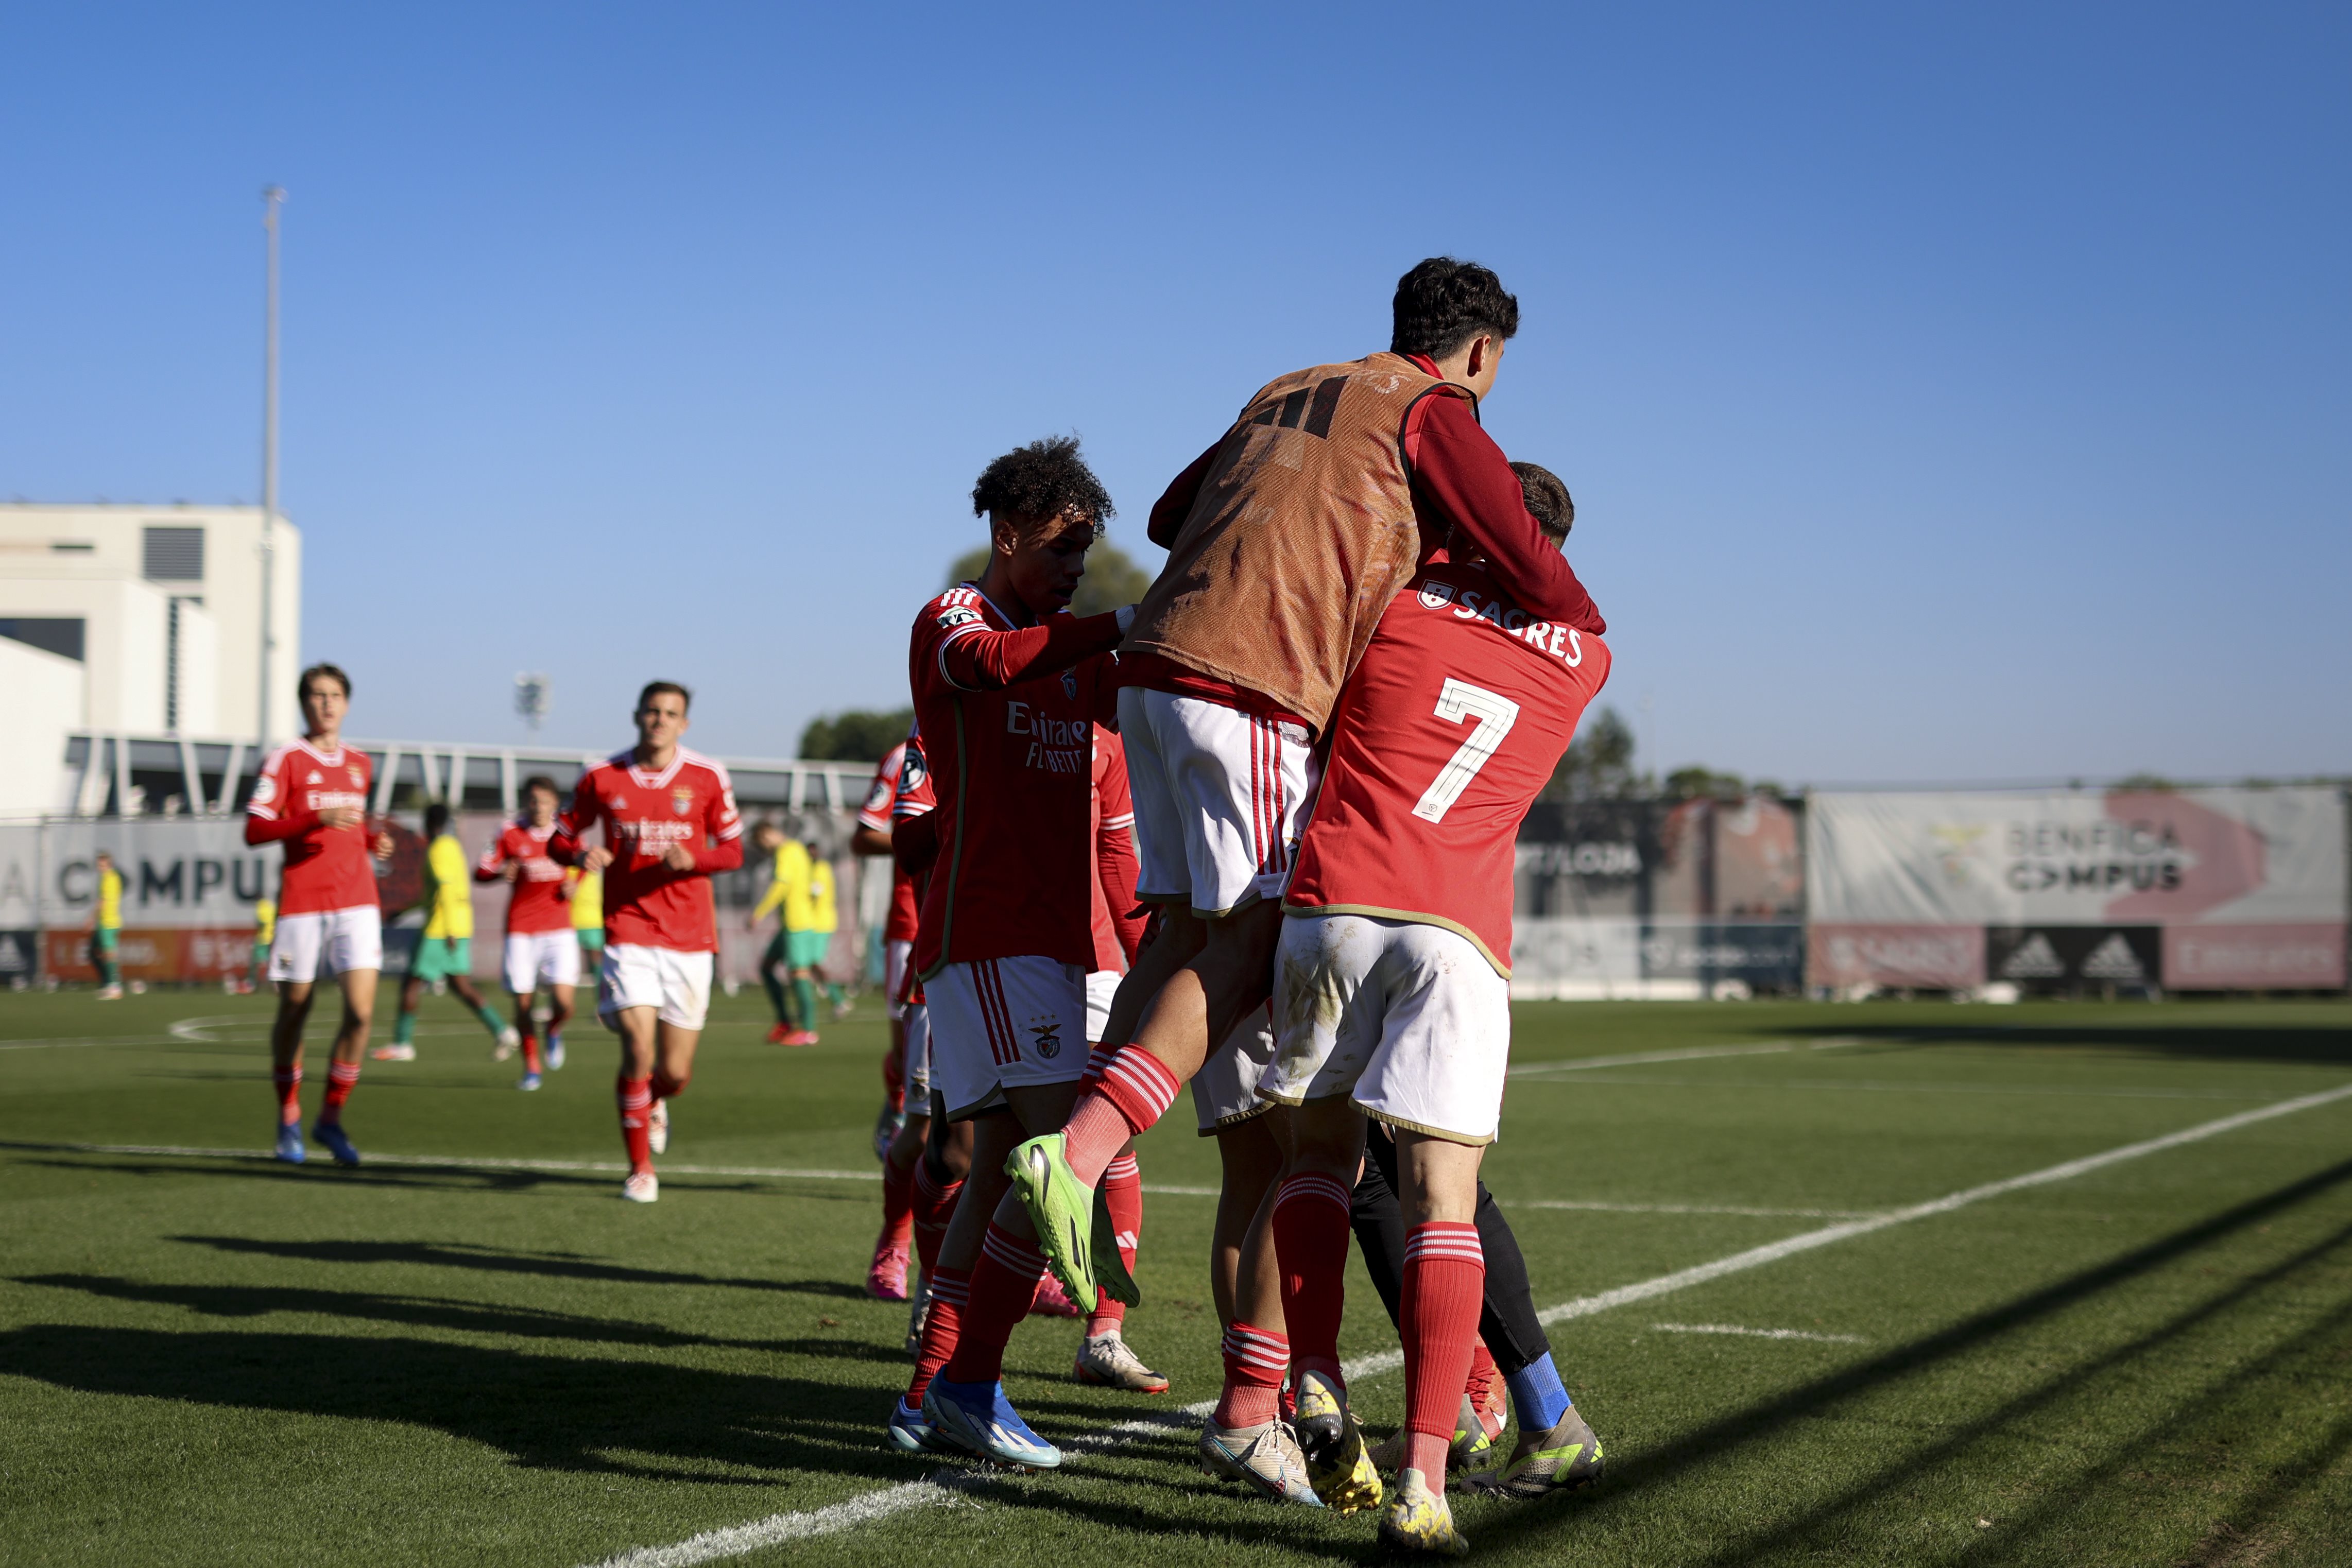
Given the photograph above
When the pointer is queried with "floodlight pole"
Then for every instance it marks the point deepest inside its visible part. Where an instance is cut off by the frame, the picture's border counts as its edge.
(272, 197)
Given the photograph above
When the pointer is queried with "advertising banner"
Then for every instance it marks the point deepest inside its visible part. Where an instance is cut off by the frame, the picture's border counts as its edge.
(1931, 957)
(1667, 958)
(2191, 889)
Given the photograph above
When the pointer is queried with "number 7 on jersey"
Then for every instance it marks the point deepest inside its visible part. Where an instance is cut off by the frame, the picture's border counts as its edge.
(1495, 714)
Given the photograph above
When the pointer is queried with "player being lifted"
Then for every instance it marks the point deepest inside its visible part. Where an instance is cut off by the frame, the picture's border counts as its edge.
(1006, 688)
(1287, 539)
(1393, 1002)
(444, 951)
(540, 949)
(669, 822)
(311, 795)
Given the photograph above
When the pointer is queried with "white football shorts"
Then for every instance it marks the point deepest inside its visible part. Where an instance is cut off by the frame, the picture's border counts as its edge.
(919, 1058)
(328, 941)
(1221, 797)
(1407, 1019)
(896, 956)
(1224, 1092)
(676, 984)
(1004, 1022)
(1102, 985)
(536, 959)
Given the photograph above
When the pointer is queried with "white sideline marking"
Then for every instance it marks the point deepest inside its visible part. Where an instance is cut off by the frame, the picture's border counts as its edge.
(1680, 1053)
(1884, 1087)
(777, 1528)
(465, 1162)
(1772, 1252)
(1694, 1209)
(1758, 1333)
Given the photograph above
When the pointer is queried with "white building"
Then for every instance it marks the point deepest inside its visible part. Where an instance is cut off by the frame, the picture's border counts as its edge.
(158, 607)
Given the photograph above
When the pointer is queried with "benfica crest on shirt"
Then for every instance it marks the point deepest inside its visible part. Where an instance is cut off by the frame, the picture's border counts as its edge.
(681, 800)
(1070, 685)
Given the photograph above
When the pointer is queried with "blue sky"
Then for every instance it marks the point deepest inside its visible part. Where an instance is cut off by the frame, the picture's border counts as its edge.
(1949, 393)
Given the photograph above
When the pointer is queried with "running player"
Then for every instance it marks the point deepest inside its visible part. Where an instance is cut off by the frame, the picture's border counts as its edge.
(106, 929)
(787, 881)
(540, 946)
(265, 928)
(1006, 691)
(1288, 537)
(1394, 1003)
(669, 822)
(886, 1275)
(585, 892)
(445, 951)
(311, 795)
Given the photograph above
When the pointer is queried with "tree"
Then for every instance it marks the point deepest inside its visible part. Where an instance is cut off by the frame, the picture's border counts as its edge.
(1112, 578)
(1600, 762)
(856, 735)
(1697, 783)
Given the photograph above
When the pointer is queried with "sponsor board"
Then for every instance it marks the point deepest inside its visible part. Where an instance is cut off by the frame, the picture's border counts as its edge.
(1569, 956)
(2070, 958)
(158, 954)
(1930, 958)
(2254, 957)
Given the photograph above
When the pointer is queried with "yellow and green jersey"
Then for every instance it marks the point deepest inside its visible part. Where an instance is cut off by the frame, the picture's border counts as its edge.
(449, 900)
(110, 899)
(264, 920)
(803, 885)
(588, 900)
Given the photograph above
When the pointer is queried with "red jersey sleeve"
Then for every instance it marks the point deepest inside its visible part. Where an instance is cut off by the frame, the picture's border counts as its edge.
(270, 814)
(724, 825)
(954, 644)
(1461, 474)
(572, 823)
(1116, 861)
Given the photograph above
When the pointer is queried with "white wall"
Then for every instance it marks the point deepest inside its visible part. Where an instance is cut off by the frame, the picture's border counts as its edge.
(45, 701)
(200, 672)
(30, 536)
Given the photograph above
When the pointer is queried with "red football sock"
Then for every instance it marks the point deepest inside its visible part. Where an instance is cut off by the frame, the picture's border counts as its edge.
(942, 1326)
(1444, 1281)
(1122, 1190)
(1136, 1089)
(342, 1077)
(636, 1102)
(1254, 1363)
(530, 1044)
(934, 1206)
(666, 1087)
(288, 1083)
(1002, 1289)
(898, 1204)
(1310, 1239)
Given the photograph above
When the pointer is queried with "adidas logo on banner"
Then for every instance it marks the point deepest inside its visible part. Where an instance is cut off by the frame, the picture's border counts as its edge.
(2035, 961)
(2113, 959)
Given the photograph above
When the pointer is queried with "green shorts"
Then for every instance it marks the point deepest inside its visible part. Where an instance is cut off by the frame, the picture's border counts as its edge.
(806, 949)
(438, 957)
(107, 939)
(591, 938)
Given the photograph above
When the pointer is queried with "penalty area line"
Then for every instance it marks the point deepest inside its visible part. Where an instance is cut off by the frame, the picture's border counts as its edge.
(912, 1494)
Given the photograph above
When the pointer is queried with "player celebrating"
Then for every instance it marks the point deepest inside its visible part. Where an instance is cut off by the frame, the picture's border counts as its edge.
(1288, 538)
(669, 822)
(540, 946)
(445, 951)
(311, 795)
(1006, 691)
(106, 929)
(1394, 1000)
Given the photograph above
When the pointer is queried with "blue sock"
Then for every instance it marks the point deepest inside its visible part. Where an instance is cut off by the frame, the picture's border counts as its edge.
(1541, 1398)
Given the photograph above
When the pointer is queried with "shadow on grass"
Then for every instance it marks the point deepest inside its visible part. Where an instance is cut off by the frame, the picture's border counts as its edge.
(1773, 1418)
(546, 1412)
(2306, 1044)
(423, 1173)
(492, 1259)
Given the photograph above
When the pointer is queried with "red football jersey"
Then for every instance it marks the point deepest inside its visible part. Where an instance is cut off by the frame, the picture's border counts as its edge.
(536, 901)
(1007, 717)
(1452, 723)
(1115, 863)
(690, 802)
(326, 868)
(881, 797)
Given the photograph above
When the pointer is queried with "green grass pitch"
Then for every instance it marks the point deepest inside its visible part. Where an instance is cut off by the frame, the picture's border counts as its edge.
(207, 1359)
